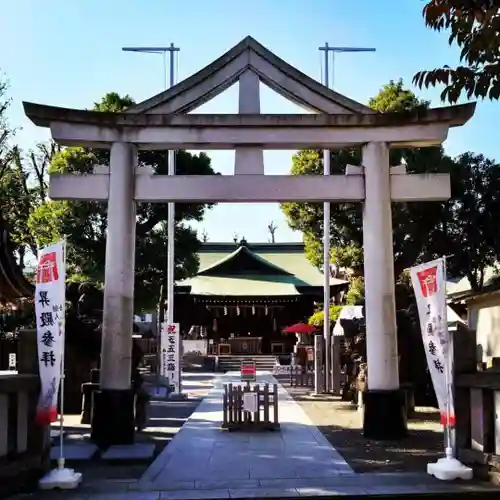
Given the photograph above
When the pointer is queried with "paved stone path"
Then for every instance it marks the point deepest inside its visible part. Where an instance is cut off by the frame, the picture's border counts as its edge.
(204, 454)
(204, 462)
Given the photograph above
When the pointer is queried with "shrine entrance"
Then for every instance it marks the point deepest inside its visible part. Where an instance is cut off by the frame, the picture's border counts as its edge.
(165, 122)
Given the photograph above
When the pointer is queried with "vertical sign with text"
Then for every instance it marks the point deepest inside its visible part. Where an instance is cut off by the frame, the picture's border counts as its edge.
(429, 284)
(50, 311)
(170, 354)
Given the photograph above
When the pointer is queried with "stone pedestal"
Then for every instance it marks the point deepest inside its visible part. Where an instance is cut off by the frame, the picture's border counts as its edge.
(384, 414)
(113, 417)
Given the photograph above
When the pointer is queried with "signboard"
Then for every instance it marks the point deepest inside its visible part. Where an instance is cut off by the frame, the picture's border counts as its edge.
(429, 284)
(282, 369)
(170, 354)
(250, 401)
(310, 354)
(50, 296)
(248, 371)
(12, 361)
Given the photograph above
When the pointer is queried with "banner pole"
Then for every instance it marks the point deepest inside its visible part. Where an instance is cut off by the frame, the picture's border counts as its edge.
(61, 477)
(449, 453)
(61, 461)
(429, 285)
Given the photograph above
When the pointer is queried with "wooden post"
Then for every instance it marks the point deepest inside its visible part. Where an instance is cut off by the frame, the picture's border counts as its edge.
(266, 403)
(231, 403)
(464, 361)
(225, 407)
(240, 405)
(275, 403)
(488, 421)
(256, 389)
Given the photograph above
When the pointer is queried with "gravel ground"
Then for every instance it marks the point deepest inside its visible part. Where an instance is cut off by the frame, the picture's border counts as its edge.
(341, 424)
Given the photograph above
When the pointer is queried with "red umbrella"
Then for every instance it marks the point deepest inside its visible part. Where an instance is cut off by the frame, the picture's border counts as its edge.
(301, 328)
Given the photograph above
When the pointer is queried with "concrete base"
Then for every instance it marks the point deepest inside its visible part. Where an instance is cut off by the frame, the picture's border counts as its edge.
(449, 468)
(113, 418)
(384, 415)
(75, 452)
(133, 452)
(60, 478)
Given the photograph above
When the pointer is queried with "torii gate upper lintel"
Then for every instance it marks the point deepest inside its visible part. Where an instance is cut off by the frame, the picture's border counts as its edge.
(162, 123)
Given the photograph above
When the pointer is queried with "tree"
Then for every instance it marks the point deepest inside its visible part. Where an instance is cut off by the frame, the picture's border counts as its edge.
(204, 236)
(23, 188)
(272, 228)
(23, 185)
(463, 228)
(473, 26)
(85, 223)
(468, 231)
(412, 222)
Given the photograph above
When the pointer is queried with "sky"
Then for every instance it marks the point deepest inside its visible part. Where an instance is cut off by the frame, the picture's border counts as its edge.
(68, 53)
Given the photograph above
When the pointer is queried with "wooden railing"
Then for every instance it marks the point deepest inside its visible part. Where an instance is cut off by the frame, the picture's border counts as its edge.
(24, 446)
(477, 401)
(263, 417)
(477, 404)
(301, 376)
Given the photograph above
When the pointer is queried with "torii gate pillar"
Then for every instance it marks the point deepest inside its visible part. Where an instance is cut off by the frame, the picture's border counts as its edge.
(384, 412)
(113, 409)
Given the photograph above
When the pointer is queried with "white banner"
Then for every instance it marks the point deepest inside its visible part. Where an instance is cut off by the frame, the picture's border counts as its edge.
(429, 284)
(170, 354)
(50, 297)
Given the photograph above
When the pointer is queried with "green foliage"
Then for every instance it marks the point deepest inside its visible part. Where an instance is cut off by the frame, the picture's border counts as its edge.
(85, 223)
(473, 27)
(22, 181)
(411, 221)
(394, 98)
(463, 228)
(318, 317)
(356, 294)
(468, 230)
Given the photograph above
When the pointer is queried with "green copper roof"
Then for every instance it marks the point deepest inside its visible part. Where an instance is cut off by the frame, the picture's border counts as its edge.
(242, 262)
(272, 269)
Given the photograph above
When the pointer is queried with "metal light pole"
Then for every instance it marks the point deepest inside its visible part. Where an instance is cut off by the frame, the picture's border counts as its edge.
(172, 49)
(328, 382)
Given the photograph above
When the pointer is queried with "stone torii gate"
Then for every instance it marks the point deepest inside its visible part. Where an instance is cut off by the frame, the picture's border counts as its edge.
(163, 122)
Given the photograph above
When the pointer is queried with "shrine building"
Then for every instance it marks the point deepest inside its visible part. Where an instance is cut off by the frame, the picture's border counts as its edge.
(246, 293)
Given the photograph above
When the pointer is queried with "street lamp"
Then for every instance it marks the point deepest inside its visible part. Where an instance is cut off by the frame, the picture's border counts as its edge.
(326, 221)
(172, 49)
(163, 52)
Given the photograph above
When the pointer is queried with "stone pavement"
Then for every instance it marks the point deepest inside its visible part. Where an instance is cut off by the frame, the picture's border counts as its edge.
(204, 462)
(202, 452)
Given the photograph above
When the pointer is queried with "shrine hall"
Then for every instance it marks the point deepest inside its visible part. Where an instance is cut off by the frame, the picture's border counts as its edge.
(245, 294)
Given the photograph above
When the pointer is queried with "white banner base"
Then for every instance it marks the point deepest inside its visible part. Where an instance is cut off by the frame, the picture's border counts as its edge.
(449, 469)
(62, 478)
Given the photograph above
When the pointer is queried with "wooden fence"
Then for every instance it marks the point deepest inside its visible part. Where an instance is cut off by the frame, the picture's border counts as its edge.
(264, 415)
(477, 408)
(24, 446)
(477, 401)
(301, 376)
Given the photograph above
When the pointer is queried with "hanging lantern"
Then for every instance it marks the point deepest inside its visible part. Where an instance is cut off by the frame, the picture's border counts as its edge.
(253, 310)
(225, 311)
(238, 310)
(267, 310)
